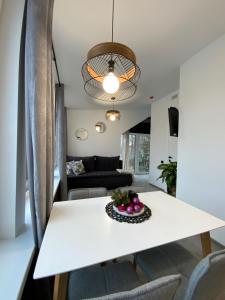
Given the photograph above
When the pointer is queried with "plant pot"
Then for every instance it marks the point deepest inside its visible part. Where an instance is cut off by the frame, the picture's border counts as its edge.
(172, 191)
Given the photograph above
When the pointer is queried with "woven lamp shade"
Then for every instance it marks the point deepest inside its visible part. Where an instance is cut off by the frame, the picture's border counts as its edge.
(96, 68)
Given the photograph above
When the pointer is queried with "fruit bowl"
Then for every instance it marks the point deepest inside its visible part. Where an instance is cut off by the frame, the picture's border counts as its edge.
(127, 203)
(124, 213)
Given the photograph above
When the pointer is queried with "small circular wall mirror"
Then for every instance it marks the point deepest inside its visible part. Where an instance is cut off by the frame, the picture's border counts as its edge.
(81, 134)
(100, 127)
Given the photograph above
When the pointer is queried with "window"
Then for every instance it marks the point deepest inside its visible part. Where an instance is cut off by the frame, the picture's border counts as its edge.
(139, 153)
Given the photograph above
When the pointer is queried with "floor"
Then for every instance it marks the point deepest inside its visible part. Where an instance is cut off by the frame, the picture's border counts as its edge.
(140, 185)
(143, 181)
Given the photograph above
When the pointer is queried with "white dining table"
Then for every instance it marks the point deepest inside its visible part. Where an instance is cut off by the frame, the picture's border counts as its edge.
(79, 234)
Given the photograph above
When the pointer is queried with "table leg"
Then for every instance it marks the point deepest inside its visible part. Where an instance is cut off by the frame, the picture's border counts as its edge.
(134, 262)
(60, 286)
(206, 243)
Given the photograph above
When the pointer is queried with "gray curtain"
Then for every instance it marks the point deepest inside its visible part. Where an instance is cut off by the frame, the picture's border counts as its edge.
(125, 150)
(61, 139)
(40, 112)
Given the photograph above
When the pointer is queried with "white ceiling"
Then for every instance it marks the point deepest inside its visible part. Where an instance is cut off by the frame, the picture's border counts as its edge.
(162, 33)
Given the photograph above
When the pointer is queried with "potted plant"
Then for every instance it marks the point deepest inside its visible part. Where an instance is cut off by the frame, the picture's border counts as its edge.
(169, 175)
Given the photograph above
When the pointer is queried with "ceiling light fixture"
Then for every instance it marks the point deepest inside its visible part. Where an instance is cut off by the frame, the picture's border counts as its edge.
(110, 69)
(112, 114)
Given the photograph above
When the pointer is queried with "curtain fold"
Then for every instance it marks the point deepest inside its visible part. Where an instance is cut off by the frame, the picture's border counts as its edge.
(40, 112)
(125, 150)
(61, 139)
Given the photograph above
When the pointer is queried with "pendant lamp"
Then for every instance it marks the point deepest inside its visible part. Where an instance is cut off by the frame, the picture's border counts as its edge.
(110, 70)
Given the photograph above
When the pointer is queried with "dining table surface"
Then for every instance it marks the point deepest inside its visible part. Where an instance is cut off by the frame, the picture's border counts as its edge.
(79, 233)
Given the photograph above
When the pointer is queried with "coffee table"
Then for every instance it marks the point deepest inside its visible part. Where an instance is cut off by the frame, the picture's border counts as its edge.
(80, 234)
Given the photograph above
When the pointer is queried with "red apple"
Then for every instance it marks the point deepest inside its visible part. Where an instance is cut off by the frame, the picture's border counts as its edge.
(130, 209)
(141, 205)
(137, 208)
(136, 200)
(121, 208)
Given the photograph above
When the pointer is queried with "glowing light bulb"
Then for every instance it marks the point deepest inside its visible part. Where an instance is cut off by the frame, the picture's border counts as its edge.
(111, 83)
(112, 117)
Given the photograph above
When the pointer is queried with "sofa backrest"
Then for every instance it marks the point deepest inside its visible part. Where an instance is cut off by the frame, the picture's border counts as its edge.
(103, 163)
(98, 163)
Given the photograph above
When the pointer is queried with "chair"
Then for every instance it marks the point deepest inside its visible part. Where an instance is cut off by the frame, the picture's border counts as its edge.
(118, 281)
(207, 281)
(204, 280)
(84, 193)
(166, 260)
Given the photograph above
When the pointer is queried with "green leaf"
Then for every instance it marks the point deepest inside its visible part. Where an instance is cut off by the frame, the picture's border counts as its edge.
(162, 166)
(169, 173)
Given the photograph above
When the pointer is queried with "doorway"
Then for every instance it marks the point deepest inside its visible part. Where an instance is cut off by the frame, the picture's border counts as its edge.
(138, 153)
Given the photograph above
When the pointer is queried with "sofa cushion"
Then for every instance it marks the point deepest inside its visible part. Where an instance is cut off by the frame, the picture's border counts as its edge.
(88, 161)
(107, 163)
(107, 179)
(78, 167)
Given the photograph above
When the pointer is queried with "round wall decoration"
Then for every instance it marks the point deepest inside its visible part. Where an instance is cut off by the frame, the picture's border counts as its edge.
(81, 134)
(100, 127)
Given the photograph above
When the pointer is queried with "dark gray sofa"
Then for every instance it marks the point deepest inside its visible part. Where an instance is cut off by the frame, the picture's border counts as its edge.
(100, 172)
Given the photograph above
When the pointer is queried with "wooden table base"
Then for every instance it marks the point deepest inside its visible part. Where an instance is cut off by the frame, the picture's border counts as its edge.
(60, 286)
(206, 243)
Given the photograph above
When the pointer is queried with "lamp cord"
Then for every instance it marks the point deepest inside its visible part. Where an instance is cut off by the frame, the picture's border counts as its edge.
(112, 20)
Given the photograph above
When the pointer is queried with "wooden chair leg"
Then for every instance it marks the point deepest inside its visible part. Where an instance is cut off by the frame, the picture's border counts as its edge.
(60, 286)
(206, 243)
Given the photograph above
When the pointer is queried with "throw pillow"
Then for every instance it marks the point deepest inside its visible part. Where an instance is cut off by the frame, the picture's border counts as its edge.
(88, 162)
(69, 170)
(78, 167)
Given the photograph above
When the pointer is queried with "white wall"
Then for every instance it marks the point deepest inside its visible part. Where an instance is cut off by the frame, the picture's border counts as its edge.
(201, 144)
(105, 144)
(11, 213)
(162, 144)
